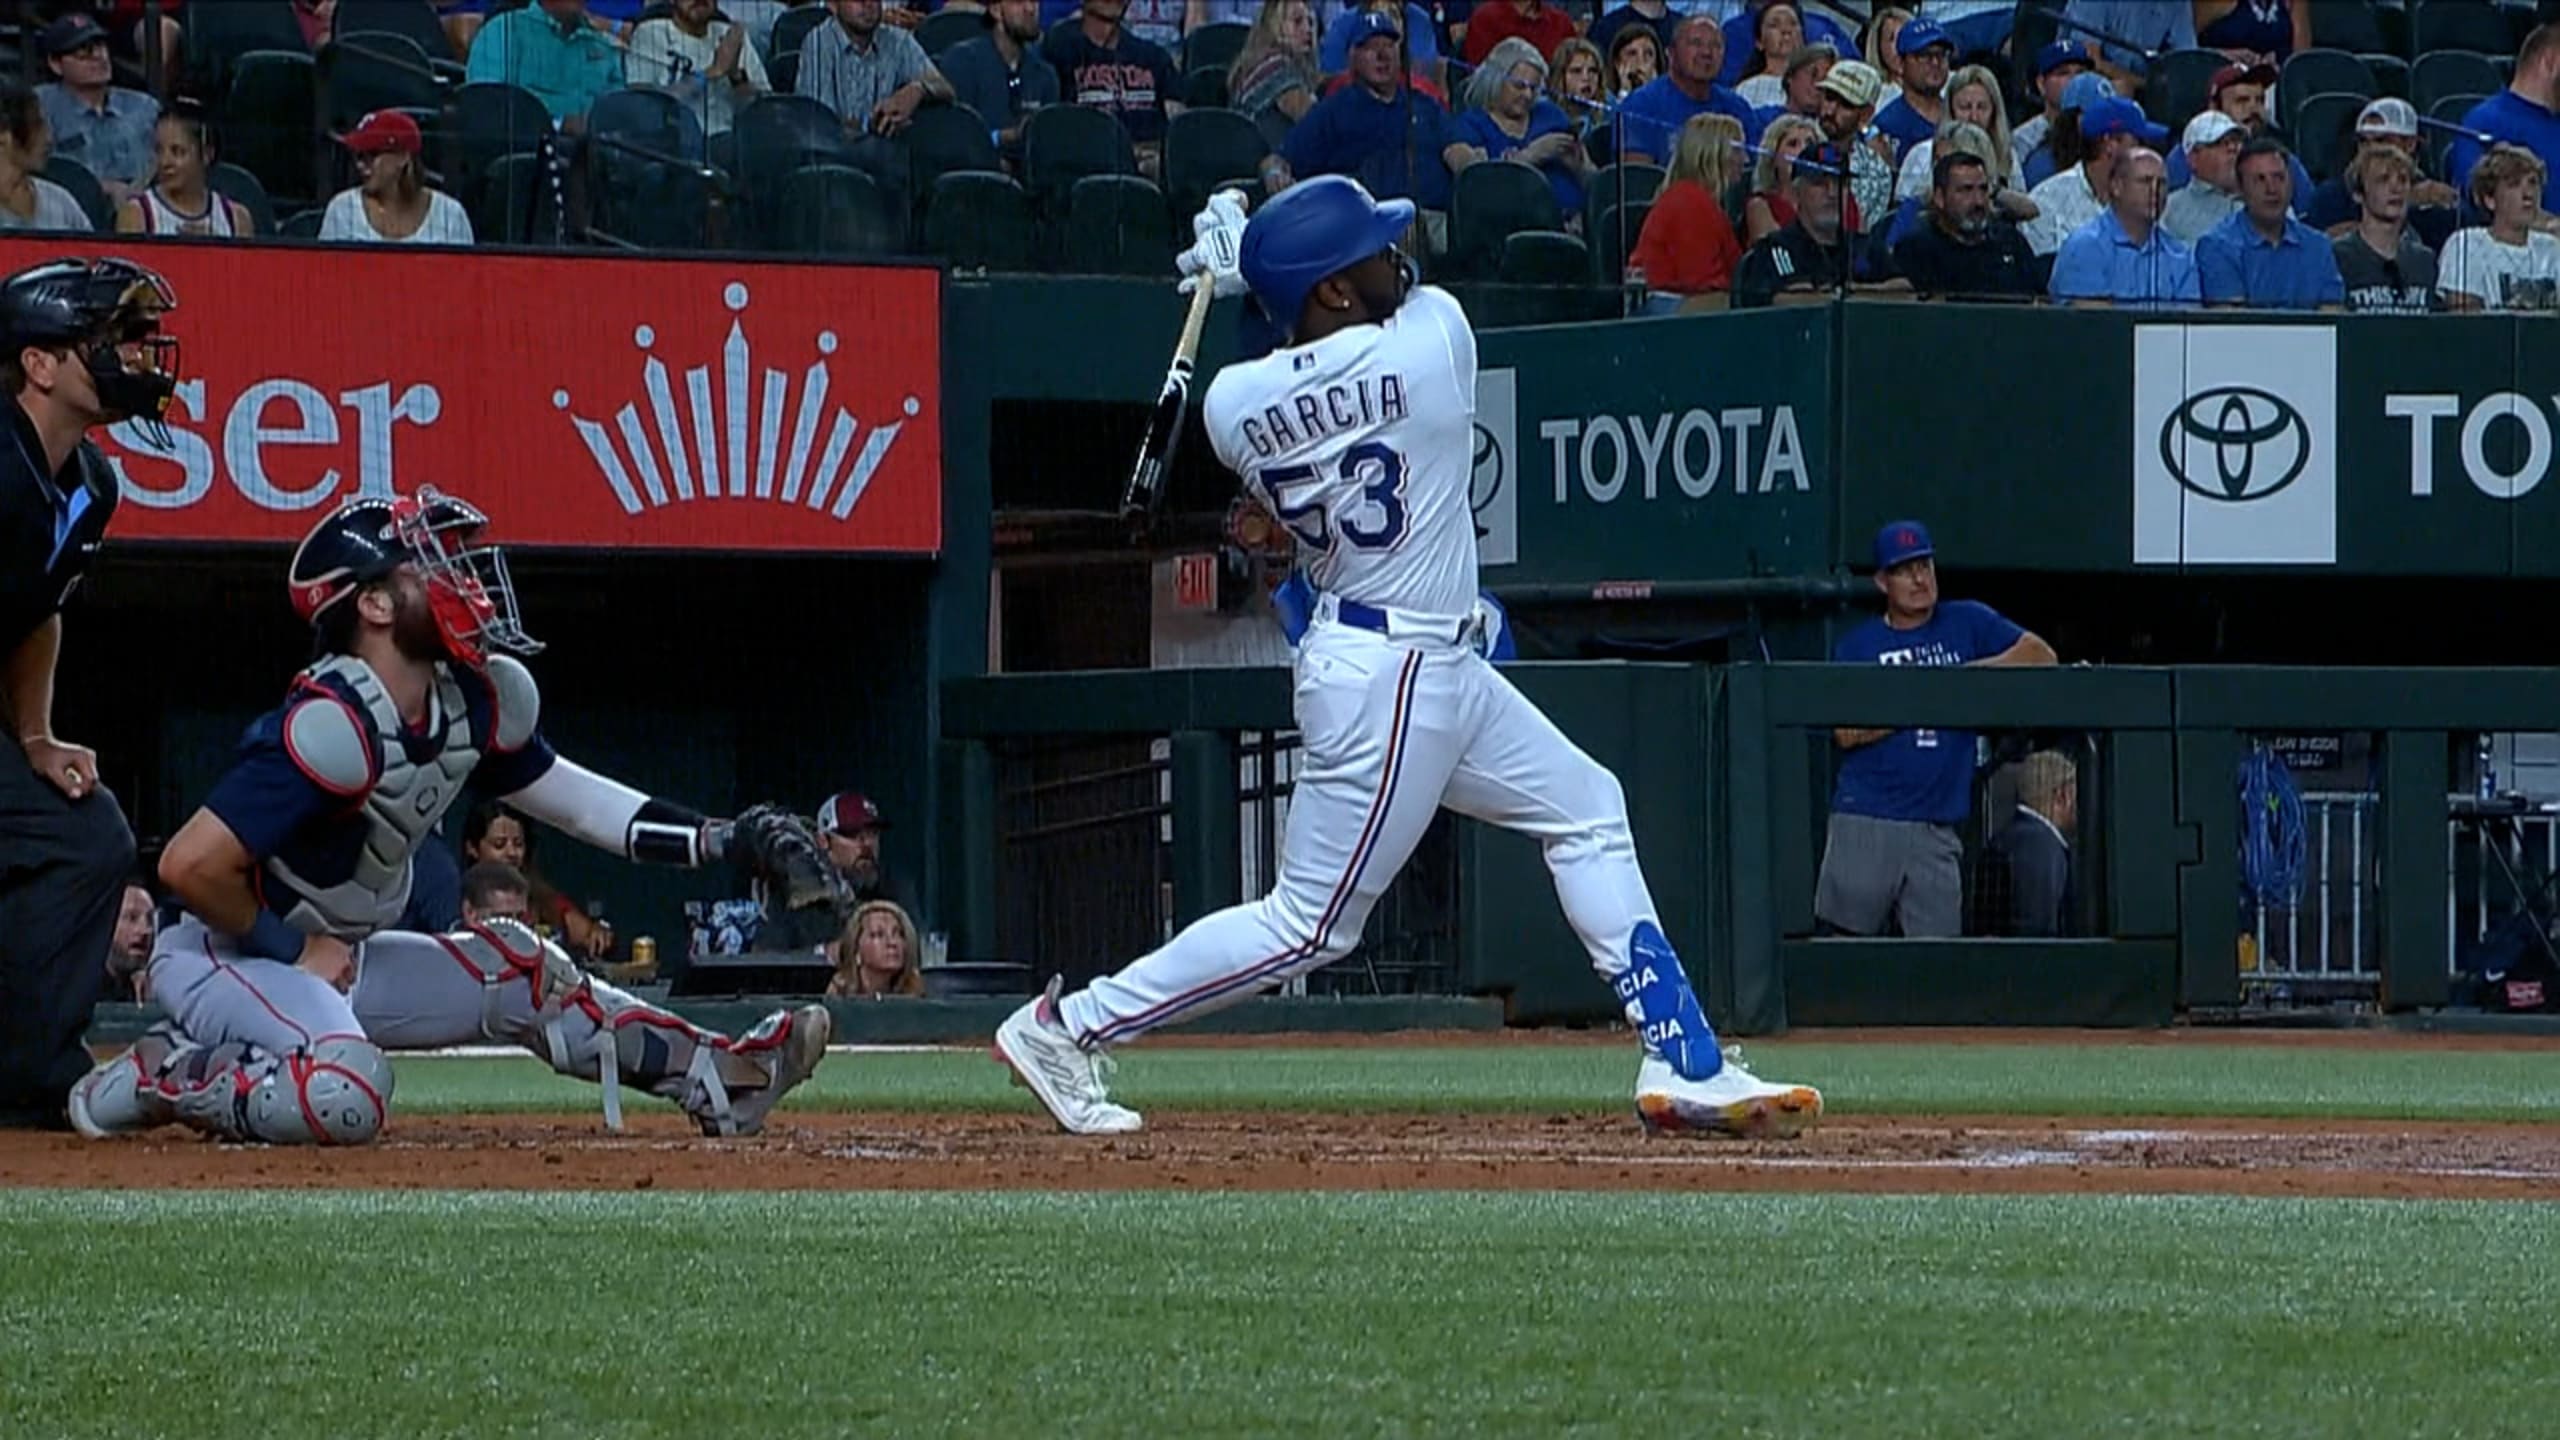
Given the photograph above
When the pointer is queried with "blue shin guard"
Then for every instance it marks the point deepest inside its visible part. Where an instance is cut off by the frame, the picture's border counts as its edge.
(1666, 1012)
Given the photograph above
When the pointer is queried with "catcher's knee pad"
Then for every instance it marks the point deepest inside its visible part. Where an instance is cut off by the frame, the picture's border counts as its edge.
(505, 952)
(336, 1091)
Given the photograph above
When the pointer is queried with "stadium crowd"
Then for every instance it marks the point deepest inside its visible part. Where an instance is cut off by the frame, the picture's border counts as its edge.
(2359, 154)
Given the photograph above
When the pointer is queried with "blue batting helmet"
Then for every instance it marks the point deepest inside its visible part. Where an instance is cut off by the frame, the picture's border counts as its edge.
(1313, 229)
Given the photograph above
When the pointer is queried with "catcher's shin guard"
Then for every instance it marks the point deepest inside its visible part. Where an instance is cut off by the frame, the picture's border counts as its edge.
(335, 1091)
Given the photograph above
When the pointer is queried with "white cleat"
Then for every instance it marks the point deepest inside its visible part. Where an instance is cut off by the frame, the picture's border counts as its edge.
(1733, 1101)
(1067, 1078)
(118, 1098)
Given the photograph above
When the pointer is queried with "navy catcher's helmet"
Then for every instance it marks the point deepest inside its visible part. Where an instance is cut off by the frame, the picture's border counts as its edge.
(468, 589)
(1314, 229)
(94, 307)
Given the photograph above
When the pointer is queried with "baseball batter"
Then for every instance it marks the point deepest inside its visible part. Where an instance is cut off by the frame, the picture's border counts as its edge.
(1356, 433)
(282, 985)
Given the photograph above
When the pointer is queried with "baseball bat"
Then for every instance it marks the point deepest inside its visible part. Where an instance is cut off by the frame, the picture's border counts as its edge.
(1164, 428)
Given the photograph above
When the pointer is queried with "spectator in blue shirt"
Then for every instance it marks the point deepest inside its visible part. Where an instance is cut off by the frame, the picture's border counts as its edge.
(1912, 116)
(1508, 119)
(1650, 119)
(1333, 53)
(2124, 257)
(2522, 114)
(548, 48)
(1890, 858)
(2262, 256)
(2155, 26)
(1380, 131)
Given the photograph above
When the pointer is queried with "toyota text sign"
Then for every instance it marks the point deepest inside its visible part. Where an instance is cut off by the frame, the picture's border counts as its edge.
(590, 402)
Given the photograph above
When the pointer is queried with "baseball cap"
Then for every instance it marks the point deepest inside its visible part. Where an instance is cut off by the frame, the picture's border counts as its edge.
(2118, 116)
(1919, 35)
(849, 812)
(2058, 54)
(2387, 116)
(2209, 127)
(1853, 82)
(71, 32)
(2086, 89)
(1902, 540)
(1370, 25)
(1822, 162)
(2236, 74)
(384, 131)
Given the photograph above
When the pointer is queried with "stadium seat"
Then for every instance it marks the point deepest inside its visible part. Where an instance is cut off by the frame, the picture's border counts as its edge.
(220, 36)
(2459, 25)
(981, 220)
(482, 124)
(2451, 72)
(941, 31)
(1065, 143)
(303, 225)
(1616, 185)
(2181, 84)
(75, 177)
(232, 182)
(645, 116)
(2450, 109)
(2350, 25)
(2318, 72)
(1616, 235)
(2323, 133)
(2390, 74)
(942, 139)
(515, 201)
(791, 29)
(360, 74)
(644, 186)
(270, 121)
(1544, 257)
(1214, 46)
(412, 20)
(1117, 225)
(1206, 88)
(837, 210)
(774, 136)
(1490, 202)
(1203, 151)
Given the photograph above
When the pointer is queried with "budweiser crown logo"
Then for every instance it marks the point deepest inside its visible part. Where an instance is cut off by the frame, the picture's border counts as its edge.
(736, 439)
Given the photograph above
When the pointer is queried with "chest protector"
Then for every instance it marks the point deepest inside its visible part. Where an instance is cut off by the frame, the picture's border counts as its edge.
(401, 806)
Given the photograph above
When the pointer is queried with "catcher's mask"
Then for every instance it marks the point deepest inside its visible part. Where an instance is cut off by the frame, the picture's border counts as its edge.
(469, 593)
(107, 312)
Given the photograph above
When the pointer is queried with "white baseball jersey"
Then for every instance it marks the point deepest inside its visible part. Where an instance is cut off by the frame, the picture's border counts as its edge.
(1361, 443)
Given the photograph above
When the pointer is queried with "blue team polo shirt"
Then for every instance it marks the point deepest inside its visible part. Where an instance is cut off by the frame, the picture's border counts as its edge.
(1651, 117)
(1918, 774)
(1391, 146)
(2514, 120)
(2235, 264)
(1904, 126)
(2101, 262)
(1476, 127)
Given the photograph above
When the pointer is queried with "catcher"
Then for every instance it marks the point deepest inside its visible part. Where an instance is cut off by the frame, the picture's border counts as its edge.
(283, 986)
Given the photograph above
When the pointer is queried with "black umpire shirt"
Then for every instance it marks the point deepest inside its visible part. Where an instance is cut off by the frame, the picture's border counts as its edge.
(50, 525)
(1790, 259)
(2000, 265)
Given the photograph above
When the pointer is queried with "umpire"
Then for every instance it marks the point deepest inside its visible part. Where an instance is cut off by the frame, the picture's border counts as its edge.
(82, 348)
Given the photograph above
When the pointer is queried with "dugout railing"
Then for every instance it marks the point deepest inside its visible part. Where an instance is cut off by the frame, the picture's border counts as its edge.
(1727, 771)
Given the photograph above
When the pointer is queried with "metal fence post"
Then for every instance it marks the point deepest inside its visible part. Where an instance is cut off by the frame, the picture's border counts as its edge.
(1208, 835)
(2415, 886)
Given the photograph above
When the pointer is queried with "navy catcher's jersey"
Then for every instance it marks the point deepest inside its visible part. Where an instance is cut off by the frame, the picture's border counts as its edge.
(284, 814)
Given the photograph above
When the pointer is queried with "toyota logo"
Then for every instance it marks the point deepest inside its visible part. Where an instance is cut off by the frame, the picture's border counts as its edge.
(1486, 483)
(2257, 443)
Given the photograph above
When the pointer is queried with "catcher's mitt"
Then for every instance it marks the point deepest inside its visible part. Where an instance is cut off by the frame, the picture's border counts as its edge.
(786, 851)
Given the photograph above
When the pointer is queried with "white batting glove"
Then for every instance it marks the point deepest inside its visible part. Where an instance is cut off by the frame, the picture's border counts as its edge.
(1217, 247)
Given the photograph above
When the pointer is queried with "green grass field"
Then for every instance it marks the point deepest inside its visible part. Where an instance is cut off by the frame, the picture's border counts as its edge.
(287, 1315)
(865, 1314)
(2094, 1079)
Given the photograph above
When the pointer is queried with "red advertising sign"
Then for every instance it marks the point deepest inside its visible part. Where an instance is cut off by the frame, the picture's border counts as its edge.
(589, 401)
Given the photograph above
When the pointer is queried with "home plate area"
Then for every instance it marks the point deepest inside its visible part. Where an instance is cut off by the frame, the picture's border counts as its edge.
(1369, 1151)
